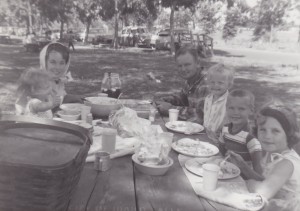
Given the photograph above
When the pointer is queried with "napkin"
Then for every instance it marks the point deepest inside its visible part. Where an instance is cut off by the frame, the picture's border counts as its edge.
(124, 146)
(231, 192)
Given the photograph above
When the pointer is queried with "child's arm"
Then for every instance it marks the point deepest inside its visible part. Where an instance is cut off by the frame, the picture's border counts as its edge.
(39, 106)
(278, 176)
(244, 167)
(256, 157)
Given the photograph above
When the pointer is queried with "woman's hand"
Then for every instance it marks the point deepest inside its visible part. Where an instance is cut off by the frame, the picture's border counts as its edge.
(163, 107)
(56, 101)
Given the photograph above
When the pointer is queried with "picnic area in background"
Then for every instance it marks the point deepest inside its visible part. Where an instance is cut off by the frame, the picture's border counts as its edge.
(263, 74)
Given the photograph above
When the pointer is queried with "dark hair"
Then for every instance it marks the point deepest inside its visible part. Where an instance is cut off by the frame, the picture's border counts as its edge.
(244, 93)
(58, 47)
(287, 119)
(186, 49)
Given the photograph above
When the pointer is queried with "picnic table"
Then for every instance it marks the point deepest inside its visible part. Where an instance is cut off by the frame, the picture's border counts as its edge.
(125, 188)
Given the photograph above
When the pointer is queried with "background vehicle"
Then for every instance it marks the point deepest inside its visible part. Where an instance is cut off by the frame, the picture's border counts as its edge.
(137, 36)
(163, 38)
(94, 33)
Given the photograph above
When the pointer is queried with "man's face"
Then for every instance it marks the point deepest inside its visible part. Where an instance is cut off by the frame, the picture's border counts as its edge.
(186, 66)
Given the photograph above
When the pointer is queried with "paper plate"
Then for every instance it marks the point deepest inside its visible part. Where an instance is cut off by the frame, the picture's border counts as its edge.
(184, 127)
(196, 148)
(228, 170)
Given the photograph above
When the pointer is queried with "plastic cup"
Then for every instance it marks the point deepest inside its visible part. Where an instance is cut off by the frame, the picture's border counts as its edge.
(210, 176)
(85, 110)
(173, 115)
(109, 140)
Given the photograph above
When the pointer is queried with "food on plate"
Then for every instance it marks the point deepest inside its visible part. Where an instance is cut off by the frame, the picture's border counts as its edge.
(184, 127)
(193, 147)
(254, 202)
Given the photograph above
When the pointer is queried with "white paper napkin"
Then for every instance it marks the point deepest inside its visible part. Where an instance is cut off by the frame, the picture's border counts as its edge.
(231, 192)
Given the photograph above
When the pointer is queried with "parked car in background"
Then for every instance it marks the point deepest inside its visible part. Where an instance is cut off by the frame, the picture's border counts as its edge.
(162, 40)
(137, 36)
(94, 33)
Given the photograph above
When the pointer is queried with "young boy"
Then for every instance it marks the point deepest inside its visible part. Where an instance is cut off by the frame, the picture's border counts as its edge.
(235, 135)
(219, 80)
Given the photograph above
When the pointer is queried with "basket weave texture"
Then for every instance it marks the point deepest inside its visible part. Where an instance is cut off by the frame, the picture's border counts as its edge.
(36, 187)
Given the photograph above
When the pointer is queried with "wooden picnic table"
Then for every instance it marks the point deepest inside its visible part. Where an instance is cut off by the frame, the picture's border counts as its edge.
(124, 188)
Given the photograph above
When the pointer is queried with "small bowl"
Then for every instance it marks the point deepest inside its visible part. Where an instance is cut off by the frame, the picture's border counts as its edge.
(68, 117)
(154, 170)
(71, 108)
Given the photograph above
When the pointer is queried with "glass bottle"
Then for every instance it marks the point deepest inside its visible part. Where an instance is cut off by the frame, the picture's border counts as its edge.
(105, 86)
(115, 85)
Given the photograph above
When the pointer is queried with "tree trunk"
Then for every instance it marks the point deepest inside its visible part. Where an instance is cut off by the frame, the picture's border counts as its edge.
(87, 30)
(299, 35)
(116, 43)
(172, 28)
(29, 16)
(61, 29)
(271, 34)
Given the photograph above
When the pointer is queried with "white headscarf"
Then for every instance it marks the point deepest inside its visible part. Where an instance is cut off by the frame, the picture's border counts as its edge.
(43, 62)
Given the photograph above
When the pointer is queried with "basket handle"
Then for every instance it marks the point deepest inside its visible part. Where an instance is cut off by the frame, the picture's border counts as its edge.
(58, 125)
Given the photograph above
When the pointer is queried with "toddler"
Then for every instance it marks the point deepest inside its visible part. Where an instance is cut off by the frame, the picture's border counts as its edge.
(36, 87)
(278, 132)
(236, 135)
(219, 80)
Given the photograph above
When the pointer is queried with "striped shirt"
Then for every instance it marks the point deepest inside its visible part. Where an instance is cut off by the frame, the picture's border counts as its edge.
(241, 142)
(215, 112)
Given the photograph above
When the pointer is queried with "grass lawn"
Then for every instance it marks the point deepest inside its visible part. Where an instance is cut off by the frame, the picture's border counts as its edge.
(89, 64)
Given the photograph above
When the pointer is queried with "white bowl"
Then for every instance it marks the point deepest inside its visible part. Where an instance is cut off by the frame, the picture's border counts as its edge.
(71, 108)
(102, 106)
(68, 117)
(154, 170)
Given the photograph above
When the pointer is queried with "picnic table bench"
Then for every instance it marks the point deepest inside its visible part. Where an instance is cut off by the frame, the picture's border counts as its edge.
(125, 188)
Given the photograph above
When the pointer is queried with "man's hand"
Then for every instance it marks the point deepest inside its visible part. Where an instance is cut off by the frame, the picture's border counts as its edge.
(163, 107)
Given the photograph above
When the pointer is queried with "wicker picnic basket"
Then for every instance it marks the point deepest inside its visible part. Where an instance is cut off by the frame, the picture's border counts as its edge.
(40, 163)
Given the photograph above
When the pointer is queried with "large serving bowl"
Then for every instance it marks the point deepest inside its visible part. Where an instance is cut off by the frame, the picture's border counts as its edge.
(102, 106)
(150, 169)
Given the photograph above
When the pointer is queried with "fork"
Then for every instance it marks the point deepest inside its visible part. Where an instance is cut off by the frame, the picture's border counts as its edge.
(223, 161)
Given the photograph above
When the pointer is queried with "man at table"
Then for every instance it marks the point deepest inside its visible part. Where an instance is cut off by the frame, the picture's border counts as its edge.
(190, 100)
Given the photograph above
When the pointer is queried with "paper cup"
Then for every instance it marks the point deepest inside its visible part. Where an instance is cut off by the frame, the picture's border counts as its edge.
(109, 140)
(85, 110)
(210, 176)
(173, 115)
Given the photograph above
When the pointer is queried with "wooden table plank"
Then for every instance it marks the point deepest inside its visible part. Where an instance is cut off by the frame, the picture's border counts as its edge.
(84, 189)
(114, 189)
(208, 204)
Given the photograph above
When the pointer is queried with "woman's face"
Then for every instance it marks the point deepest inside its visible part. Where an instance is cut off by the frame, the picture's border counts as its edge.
(186, 65)
(56, 65)
(272, 136)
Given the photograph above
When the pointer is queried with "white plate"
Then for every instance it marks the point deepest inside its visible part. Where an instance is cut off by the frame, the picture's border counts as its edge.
(196, 148)
(228, 170)
(184, 127)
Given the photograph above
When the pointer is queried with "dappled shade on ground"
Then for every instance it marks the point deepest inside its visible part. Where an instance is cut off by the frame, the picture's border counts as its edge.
(88, 66)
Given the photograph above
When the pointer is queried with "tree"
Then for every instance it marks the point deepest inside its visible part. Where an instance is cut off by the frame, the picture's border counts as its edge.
(174, 5)
(271, 13)
(56, 10)
(88, 11)
(207, 15)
